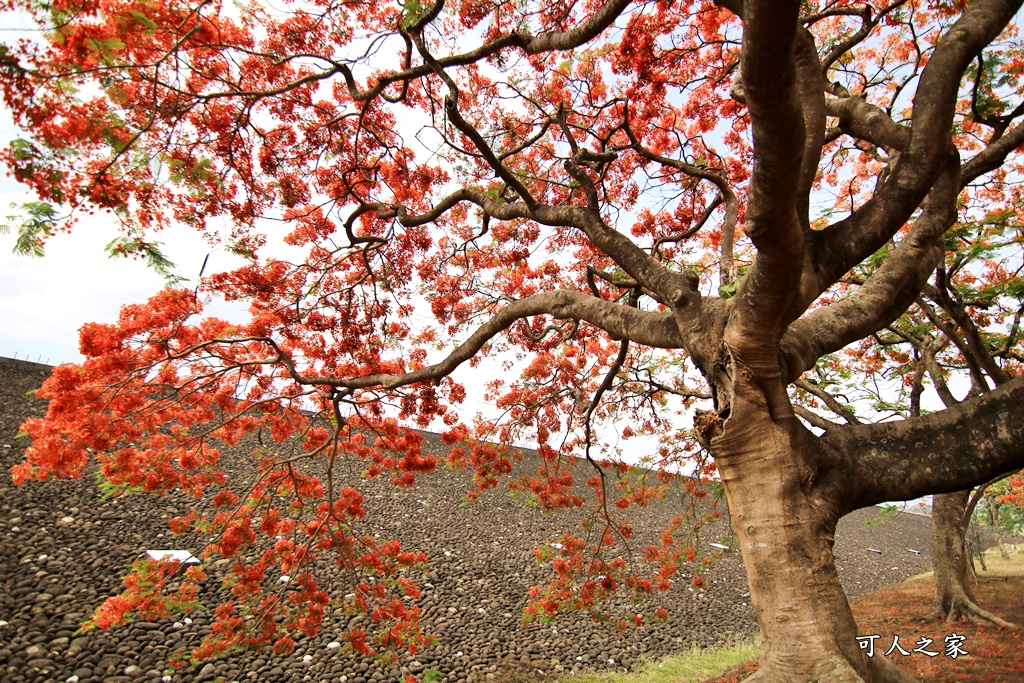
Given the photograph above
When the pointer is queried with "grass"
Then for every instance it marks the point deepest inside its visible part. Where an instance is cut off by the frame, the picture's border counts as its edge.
(995, 655)
(1011, 567)
(694, 666)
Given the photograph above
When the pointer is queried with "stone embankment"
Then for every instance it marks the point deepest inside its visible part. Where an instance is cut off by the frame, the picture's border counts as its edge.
(63, 549)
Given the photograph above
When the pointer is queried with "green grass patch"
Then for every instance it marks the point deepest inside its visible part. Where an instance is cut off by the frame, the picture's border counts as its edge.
(694, 666)
(997, 565)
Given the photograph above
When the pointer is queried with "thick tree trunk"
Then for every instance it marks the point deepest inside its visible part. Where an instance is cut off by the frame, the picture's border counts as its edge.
(807, 627)
(954, 599)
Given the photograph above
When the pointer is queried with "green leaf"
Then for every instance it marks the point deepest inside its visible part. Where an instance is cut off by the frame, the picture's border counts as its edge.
(414, 11)
(109, 490)
(22, 149)
(887, 513)
(105, 45)
(190, 175)
(240, 249)
(32, 227)
(144, 20)
(495, 193)
(129, 245)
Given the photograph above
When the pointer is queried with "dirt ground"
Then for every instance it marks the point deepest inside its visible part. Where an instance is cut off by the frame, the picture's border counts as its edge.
(991, 655)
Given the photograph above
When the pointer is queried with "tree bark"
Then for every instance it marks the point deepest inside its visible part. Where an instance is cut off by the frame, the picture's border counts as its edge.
(786, 535)
(954, 599)
(949, 550)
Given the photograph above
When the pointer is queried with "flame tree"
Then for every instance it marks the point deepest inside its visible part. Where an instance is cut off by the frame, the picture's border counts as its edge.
(617, 192)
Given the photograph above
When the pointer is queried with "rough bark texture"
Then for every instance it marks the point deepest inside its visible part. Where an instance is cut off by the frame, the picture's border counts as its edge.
(911, 458)
(952, 588)
(786, 487)
(786, 534)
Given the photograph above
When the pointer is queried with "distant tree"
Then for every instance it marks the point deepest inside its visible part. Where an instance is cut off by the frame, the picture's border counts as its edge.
(991, 518)
(1004, 509)
(616, 192)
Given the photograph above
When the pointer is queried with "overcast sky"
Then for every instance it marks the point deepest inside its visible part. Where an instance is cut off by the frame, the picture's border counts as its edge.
(43, 301)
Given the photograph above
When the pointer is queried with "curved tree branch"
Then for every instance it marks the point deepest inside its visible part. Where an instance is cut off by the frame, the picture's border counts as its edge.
(868, 23)
(813, 419)
(829, 400)
(769, 76)
(869, 464)
(728, 196)
(862, 120)
(975, 345)
(601, 19)
(885, 295)
(451, 105)
(620, 321)
(811, 88)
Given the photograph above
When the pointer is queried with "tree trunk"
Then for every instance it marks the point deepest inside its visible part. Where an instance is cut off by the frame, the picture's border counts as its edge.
(786, 536)
(993, 515)
(954, 599)
(975, 550)
(949, 556)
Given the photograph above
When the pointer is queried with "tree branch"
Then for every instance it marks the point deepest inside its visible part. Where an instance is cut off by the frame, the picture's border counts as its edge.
(814, 419)
(868, 464)
(811, 88)
(972, 335)
(831, 401)
(769, 82)
(604, 17)
(978, 382)
(844, 244)
(992, 157)
(620, 321)
(862, 120)
(732, 205)
(885, 295)
(451, 105)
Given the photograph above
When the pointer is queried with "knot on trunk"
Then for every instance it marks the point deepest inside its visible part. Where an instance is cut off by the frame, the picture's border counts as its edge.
(707, 424)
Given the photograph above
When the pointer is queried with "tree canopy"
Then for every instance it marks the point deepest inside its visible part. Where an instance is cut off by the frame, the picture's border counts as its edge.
(646, 203)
